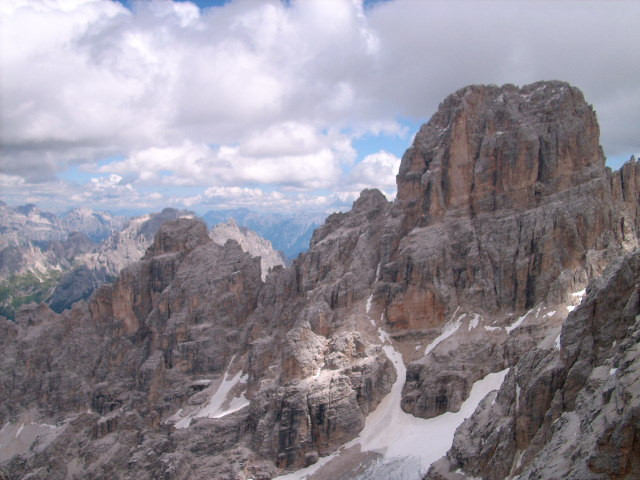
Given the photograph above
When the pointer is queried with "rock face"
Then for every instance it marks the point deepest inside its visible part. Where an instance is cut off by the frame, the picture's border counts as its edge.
(503, 191)
(491, 148)
(101, 264)
(250, 242)
(373, 346)
(507, 203)
(572, 409)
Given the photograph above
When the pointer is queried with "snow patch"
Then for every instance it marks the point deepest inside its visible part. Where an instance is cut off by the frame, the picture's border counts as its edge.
(580, 294)
(613, 371)
(474, 321)
(219, 404)
(518, 322)
(549, 314)
(571, 308)
(449, 329)
(557, 344)
(202, 381)
(517, 460)
(401, 437)
(460, 472)
(492, 329)
(515, 374)
(214, 408)
(27, 436)
(369, 300)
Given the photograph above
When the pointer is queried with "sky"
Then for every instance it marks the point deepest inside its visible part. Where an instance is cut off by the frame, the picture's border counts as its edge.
(274, 105)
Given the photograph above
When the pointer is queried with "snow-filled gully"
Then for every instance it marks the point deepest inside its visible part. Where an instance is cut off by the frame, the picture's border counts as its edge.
(401, 438)
(220, 403)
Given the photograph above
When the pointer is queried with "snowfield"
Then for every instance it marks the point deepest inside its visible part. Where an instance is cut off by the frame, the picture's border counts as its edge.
(394, 444)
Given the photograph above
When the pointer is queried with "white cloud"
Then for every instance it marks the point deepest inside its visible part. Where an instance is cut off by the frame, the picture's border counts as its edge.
(287, 138)
(376, 170)
(184, 164)
(260, 94)
(290, 155)
(241, 193)
(10, 180)
(430, 49)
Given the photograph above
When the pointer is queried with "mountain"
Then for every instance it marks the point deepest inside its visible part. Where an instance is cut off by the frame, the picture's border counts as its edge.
(484, 324)
(34, 266)
(37, 247)
(250, 242)
(29, 223)
(103, 264)
(289, 234)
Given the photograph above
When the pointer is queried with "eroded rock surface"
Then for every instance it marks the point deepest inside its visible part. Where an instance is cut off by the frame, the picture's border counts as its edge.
(250, 242)
(567, 412)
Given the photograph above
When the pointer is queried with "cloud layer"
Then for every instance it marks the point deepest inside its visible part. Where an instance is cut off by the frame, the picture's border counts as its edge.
(262, 101)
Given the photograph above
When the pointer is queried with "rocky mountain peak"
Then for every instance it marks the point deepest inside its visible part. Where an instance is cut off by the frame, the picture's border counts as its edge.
(250, 242)
(489, 148)
(178, 235)
(370, 199)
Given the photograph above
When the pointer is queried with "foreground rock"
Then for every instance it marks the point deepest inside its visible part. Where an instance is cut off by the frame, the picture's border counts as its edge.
(572, 408)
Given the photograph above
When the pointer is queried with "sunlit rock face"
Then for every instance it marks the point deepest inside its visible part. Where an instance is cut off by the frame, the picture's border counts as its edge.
(362, 358)
(505, 201)
(250, 242)
(488, 148)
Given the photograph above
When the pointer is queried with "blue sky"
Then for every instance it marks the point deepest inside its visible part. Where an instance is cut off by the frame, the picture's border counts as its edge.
(137, 105)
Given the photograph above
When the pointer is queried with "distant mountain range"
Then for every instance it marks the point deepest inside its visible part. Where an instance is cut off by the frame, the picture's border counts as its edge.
(288, 233)
(63, 259)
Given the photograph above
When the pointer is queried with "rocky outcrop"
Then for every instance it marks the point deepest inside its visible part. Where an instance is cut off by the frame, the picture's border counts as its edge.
(103, 263)
(171, 331)
(572, 409)
(506, 203)
(250, 242)
(489, 148)
(503, 191)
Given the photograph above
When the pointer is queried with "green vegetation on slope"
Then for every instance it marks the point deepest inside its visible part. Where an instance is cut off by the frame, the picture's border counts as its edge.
(22, 289)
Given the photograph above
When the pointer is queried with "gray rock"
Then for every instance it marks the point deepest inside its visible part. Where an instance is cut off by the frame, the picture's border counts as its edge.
(250, 242)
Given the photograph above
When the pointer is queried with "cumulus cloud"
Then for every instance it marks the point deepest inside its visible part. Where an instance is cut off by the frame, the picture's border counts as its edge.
(91, 73)
(289, 155)
(234, 197)
(377, 170)
(270, 95)
(447, 45)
